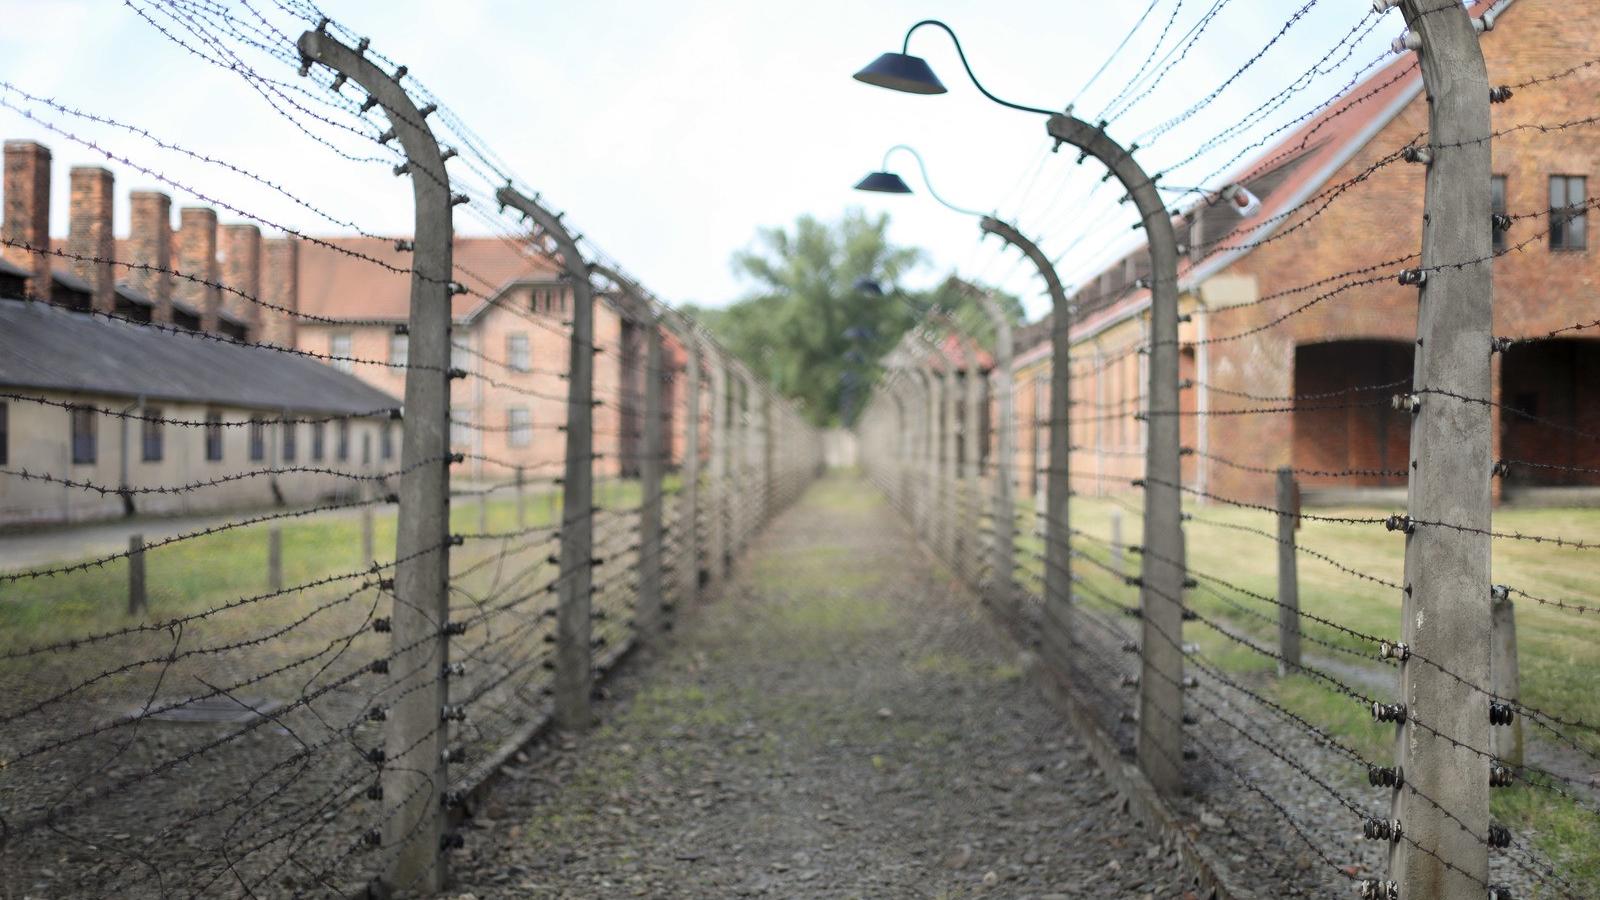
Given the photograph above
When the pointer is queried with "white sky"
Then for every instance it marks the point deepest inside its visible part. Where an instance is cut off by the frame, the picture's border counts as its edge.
(670, 131)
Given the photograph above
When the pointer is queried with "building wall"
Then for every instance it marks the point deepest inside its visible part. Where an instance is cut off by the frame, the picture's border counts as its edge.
(39, 440)
(487, 401)
(1370, 224)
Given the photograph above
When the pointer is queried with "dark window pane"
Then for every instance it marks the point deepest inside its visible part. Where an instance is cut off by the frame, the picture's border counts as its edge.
(289, 437)
(214, 437)
(152, 434)
(83, 436)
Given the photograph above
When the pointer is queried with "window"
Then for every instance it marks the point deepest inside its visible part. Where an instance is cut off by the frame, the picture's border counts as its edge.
(258, 440)
(1569, 220)
(151, 432)
(84, 426)
(213, 437)
(344, 440)
(319, 440)
(339, 349)
(517, 353)
(520, 433)
(5, 435)
(460, 356)
(366, 448)
(460, 427)
(290, 434)
(399, 349)
(1497, 204)
(386, 443)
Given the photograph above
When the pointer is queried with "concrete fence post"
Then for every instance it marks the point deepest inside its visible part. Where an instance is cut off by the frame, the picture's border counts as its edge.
(717, 510)
(1506, 681)
(275, 559)
(1446, 605)
(415, 776)
(1116, 542)
(1288, 574)
(138, 602)
(575, 577)
(689, 524)
(1160, 741)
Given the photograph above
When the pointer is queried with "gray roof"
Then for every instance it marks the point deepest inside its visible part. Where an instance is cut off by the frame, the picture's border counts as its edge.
(46, 347)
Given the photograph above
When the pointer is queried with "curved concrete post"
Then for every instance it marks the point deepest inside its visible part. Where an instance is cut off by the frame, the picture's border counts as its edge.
(1160, 743)
(717, 483)
(575, 578)
(414, 773)
(1005, 521)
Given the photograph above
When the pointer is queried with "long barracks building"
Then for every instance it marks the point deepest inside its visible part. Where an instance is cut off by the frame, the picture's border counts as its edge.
(1295, 307)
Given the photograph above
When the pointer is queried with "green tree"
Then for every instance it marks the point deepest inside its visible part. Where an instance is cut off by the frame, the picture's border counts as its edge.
(808, 325)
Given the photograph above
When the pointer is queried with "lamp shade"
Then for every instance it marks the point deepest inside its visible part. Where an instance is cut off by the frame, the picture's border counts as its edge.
(883, 183)
(901, 72)
(865, 285)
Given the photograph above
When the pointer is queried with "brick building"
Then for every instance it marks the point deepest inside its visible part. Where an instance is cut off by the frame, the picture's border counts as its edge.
(515, 344)
(1330, 204)
(90, 393)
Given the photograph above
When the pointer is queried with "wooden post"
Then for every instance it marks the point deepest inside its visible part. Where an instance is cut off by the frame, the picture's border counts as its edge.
(415, 774)
(137, 601)
(1506, 679)
(1116, 542)
(275, 558)
(1288, 574)
(522, 510)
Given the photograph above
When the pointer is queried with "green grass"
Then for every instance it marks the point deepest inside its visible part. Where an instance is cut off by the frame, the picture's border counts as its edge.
(1559, 651)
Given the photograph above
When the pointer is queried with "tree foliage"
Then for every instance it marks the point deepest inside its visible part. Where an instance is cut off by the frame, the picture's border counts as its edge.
(808, 325)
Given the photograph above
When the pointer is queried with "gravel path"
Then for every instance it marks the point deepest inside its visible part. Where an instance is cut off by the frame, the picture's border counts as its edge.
(840, 720)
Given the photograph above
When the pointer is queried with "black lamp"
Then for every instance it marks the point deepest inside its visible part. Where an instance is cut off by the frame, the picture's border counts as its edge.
(902, 72)
(883, 183)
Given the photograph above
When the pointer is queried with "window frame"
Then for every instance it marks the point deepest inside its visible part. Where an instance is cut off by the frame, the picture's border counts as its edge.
(519, 434)
(342, 440)
(399, 348)
(319, 441)
(258, 439)
(1562, 215)
(152, 435)
(291, 441)
(519, 353)
(216, 446)
(341, 360)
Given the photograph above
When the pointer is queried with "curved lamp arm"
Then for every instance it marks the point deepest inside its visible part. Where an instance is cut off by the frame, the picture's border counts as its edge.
(926, 181)
(964, 64)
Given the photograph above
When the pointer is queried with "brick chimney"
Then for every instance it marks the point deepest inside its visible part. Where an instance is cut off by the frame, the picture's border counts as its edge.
(197, 258)
(89, 235)
(27, 212)
(280, 286)
(150, 244)
(241, 271)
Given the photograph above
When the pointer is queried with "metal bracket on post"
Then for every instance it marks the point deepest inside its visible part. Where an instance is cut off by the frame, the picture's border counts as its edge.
(1446, 613)
(1160, 698)
(415, 775)
(574, 653)
(1057, 623)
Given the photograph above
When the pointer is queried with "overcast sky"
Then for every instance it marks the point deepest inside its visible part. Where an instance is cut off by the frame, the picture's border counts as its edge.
(670, 132)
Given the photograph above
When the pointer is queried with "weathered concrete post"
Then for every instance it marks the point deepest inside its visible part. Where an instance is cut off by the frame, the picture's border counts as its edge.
(574, 653)
(1288, 574)
(275, 558)
(1160, 741)
(138, 601)
(972, 453)
(1507, 679)
(1446, 607)
(1057, 623)
(689, 524)
(415, 776)
(717, 510)
(647, 609)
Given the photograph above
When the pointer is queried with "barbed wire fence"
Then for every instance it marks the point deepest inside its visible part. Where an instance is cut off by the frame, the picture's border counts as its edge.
(290, 707)
(1236, 692)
